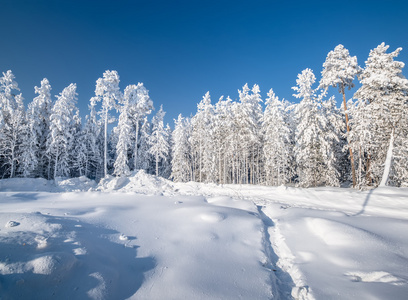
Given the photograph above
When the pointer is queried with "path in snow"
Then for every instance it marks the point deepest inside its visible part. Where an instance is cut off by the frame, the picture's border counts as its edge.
(281, 279)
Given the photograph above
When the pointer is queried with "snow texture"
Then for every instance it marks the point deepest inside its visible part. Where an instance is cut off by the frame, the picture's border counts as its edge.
(144, 237)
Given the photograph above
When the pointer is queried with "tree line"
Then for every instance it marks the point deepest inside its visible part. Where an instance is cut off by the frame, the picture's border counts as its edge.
(309, 143)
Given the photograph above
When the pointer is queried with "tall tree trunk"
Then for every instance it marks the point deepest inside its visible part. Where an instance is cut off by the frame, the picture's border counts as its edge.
(368, 172)
(353, 170)
(200, 161)
(157, 164)
(360, 166)
(388, 161)
(136, 141)
(219, 165)
(12, 160)
(105, 159)
(56, 164)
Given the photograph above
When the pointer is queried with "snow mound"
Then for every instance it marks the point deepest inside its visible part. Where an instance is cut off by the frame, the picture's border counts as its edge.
(138, 182)
(212, 217)
(78, 184)
(11, 224)
(379, 276)
(53, 263)
(335, 233)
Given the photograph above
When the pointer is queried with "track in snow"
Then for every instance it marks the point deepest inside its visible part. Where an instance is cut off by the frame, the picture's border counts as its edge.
(282, 282)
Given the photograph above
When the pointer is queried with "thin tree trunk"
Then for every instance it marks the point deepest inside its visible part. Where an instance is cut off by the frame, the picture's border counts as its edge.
(199, 162)
(219, 165)
(56, 164)
(353, 170)
(136, 141)
(105, 160)
(12, 161)
(368, 172)
(360, 167)
(157, 164)
(388, 161)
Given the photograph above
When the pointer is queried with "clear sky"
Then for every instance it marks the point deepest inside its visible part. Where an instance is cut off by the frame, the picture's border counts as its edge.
(181, 49)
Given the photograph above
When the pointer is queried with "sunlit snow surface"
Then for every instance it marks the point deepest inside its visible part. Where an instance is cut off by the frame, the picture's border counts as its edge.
(147, 238)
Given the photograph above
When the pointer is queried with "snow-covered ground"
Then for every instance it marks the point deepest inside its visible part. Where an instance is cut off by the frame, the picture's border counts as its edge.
(144, 237)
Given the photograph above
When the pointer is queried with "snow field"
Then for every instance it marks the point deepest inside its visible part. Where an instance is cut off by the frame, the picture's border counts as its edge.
(179, 247)
(144, 237)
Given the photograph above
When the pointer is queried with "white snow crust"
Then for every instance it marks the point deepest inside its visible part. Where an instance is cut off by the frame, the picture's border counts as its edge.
(144, 237)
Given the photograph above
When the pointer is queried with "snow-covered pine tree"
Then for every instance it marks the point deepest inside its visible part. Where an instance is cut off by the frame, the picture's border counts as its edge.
(62, 129)
(140, 105)
(201, 140)
(235, 147)
(123, 145)
(383, 96)
(248, 119)
(144, 157)
(28, 163)
(13, 127)
(290, 113)
(331, 141)
(222, 132)
(277, 148)
(314, 137)
(159, 146)
(94, 141)
(181, 150)
(339, 70)
(79, 155)
(38, 115)
(107, 90)
(166, 163)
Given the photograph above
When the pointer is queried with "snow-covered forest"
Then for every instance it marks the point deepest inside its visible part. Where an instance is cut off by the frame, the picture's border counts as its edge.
(252, 140)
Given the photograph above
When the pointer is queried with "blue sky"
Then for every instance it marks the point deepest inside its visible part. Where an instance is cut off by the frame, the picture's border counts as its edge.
(181, 49)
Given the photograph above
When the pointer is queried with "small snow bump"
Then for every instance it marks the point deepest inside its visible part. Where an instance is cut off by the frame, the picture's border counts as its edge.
(123, 237)
(213, 217)
(12, 224)
(41, 242)
(79, 251)
(379, 276)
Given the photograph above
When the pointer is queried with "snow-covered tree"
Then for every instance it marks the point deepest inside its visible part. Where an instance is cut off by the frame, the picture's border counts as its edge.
(166, 163)
(201, 140)
(107, 90)
(93, 140)
(339, 70)
(181, 150)
(60, 141)
(248, 115)
(144, 157)
(140, 105)
(13, 128)
(159, 146)
(383, 98)
(38, 115)
(79, 155)
(277, 145)
(124, 141)
(223, 132)
(314, 149)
